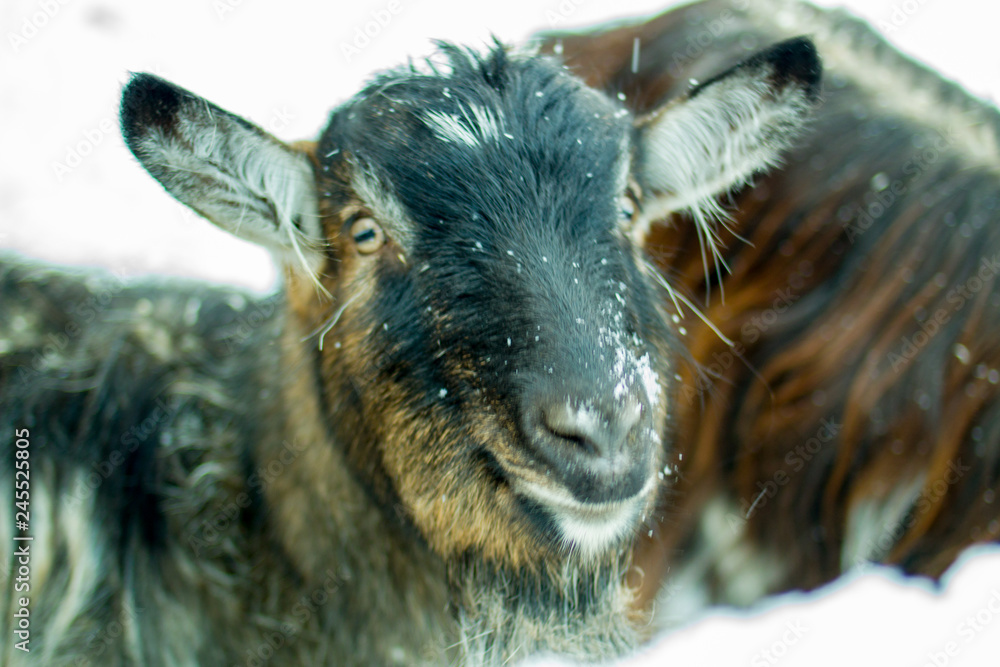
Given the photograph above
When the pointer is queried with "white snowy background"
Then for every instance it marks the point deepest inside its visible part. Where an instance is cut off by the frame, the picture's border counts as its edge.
(71, 193)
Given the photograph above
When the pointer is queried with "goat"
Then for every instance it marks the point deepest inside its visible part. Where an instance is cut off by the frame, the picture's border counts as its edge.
(439, 442)
(843, 406)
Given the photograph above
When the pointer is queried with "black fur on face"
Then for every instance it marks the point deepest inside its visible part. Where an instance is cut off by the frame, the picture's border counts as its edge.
(507, 290)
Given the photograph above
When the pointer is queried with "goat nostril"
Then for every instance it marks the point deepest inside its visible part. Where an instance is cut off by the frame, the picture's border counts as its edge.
(578, 425)
(598, 432)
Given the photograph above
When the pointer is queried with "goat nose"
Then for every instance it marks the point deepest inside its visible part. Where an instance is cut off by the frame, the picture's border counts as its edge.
(600, 433)
(596, 450)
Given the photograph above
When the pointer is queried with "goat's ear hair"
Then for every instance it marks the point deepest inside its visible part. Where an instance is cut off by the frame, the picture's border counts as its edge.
(224, 167)
(716, 136)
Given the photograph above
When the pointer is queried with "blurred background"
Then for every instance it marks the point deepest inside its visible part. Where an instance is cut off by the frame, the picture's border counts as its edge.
(71, 193)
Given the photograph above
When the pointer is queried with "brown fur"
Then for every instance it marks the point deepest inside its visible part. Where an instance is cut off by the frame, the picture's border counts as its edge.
(828, 355)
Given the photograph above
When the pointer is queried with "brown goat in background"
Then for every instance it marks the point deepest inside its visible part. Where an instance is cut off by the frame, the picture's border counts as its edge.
(856, 415)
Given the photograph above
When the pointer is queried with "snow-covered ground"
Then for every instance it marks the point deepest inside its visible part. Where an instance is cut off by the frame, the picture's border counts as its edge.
(869, 618)
(70, 192)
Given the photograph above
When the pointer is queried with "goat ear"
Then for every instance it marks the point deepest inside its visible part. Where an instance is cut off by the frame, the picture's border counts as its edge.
(224, 167)
(725, 129)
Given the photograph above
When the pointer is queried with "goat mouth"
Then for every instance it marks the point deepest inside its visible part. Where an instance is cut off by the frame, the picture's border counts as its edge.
(590, 529)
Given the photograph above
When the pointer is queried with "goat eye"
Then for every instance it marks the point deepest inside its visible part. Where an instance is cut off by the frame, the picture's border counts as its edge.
(626, 207)
(367, 234)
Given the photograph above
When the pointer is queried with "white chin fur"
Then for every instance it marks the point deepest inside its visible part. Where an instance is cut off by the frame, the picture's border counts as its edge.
(589, 529)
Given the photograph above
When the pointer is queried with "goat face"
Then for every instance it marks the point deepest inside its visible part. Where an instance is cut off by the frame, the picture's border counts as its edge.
(496, 361)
